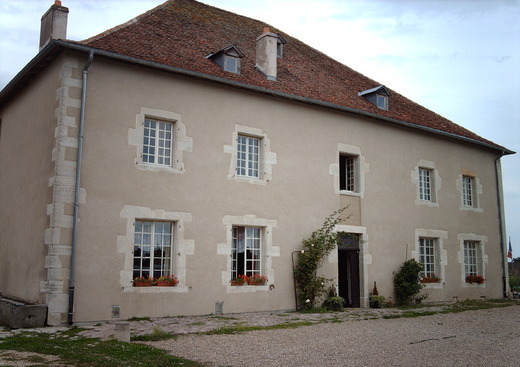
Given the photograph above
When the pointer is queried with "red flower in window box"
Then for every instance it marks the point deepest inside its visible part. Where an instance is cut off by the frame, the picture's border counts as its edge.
(257, 280)
(431, 279)
(167, 281)
(472, 278)
(240, 280)
(144, 282)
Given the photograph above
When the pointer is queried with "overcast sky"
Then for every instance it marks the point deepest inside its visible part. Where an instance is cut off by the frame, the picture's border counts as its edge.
(459, 58)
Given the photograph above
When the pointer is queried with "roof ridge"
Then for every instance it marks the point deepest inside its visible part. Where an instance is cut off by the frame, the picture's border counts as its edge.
(125, 24)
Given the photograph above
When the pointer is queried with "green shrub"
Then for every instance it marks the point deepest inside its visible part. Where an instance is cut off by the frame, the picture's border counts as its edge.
(514, 283)
(407, 284)
(377, 301)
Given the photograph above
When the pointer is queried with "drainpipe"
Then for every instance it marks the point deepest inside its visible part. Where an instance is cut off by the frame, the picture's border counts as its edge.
(500, 198)
(72, 278)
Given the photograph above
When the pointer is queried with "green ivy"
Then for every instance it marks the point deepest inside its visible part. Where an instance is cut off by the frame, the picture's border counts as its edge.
(310, 287)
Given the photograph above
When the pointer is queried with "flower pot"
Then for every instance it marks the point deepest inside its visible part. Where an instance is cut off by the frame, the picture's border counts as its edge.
(164, 283)
(237, 283)
(142, 284)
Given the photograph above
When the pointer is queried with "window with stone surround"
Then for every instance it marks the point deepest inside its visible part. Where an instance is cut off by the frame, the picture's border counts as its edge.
(425, 184)
(160, 141)
(428, 257)
(428, 182)
(153, 249)
(251, 157)
(246, 251)
(157, 142)
(472, 258)
(348, 173)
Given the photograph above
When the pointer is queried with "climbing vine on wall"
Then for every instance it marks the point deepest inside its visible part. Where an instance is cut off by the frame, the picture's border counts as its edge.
(309, 286)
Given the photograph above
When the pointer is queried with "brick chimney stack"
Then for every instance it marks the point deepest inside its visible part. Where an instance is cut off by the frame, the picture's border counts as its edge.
(266, 53)
(54, 24)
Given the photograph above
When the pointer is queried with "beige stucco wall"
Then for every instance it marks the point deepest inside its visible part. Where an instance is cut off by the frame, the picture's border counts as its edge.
(26, 143)
(299, 191)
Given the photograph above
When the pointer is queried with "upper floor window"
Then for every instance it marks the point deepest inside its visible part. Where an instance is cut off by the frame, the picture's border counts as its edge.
(348, 173)
(425, 184)
(378, 96)
(228, 58)
(248, 156)
(468, 191)
(382, 102)
(153, 247)
(157, 142)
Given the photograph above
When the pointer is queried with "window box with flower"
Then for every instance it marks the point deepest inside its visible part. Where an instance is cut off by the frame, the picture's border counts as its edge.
(257, 280)
(144, 281)
(430, 279)
(240, 280)
(167, 281)
(473, 278)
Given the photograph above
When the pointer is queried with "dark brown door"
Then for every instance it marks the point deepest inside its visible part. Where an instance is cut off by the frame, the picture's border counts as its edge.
(348, 270)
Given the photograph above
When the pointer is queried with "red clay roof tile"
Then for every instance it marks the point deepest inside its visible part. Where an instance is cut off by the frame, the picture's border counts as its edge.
(180, 33)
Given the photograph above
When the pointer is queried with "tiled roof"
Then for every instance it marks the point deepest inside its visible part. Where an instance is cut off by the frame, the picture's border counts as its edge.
(181, 33)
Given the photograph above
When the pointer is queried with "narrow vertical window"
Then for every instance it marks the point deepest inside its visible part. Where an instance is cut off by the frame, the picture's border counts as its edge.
(153, 242)
(157, 142)
(428, 257)
(248, 156)
(472, 258)
(347, 173)
(425, 184)
(467, 191)
(246, 252)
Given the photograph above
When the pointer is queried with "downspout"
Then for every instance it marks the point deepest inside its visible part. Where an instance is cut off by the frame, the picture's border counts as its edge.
(500, 199)
(72, 277)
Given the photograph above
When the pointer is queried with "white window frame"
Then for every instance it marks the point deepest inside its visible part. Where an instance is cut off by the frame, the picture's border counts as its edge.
(428, 256)
(348, 173)
(180, 143)
(382, 101)
(158, 142)
(470, 191)
(246, 240)
(248, 156)
(266, 158)
(268, 250)
(232, 67)
(157, 239)
(439, 238)
(428, 183)
(472, 257)
(360, 168)
(182, 247)
(425, 184)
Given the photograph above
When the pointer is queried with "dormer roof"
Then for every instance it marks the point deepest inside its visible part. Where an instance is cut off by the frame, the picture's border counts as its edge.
(376, 90)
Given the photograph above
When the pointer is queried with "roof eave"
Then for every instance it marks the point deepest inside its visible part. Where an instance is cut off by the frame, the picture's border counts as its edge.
(56, 46)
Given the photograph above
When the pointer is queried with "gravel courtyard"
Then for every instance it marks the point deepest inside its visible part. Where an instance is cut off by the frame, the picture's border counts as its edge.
(472, 338)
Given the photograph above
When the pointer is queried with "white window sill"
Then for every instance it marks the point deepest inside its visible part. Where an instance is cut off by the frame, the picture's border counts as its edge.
(246, 288)
(155, 289)
(350, 193)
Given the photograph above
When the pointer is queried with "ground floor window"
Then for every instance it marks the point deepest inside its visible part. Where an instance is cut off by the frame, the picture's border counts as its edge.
(153, 245)
(428, 257)
(472, 258)
(246, 252)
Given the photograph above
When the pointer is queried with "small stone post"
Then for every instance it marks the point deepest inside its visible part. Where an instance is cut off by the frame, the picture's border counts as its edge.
(122, 331)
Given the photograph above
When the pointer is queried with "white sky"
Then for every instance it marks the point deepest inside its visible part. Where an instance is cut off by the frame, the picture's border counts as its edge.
(459, 58)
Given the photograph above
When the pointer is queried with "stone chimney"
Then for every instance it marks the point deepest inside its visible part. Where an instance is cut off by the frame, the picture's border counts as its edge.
(266, 53)
(54, 24)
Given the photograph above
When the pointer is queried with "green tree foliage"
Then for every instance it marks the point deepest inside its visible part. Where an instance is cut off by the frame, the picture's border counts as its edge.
(407, 284)
(310, 287)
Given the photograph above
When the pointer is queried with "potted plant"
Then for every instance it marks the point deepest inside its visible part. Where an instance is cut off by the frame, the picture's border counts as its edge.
(473, 278)
(431, 279)
(377, 301)
(144, 281)
(257, 280)
(240, 280)
(167, 281)
(335, 303)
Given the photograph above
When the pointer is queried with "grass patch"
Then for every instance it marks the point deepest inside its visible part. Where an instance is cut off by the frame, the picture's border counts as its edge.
(235, 329)
(92, 352)
(157, 335)
(140, 319)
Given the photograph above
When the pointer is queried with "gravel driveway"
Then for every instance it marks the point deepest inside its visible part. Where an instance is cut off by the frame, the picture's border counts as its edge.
(472, 338)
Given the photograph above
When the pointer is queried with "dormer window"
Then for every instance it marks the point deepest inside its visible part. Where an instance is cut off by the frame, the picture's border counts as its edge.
(228, 58)
(378, 96)
(382, 102)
